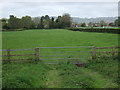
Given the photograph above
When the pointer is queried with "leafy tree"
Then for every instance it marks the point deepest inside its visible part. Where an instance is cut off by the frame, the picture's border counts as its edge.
(117, 22)
(56, 23)
(41, 24)
(102, 23)
(4, 22)
(26, 22)
(59, 22)
(14, 23)
(52, 23)
(33, 25)
(18, 23)
(66, 20)
(11, 22)
(36, 20)
(63, 21)
(46, 22)
(5, 26)
(83, 25)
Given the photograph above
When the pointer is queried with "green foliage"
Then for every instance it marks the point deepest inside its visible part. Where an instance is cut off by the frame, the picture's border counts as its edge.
(63, 21)
(100, 73)
(14, 23)
(109, 63)
(27, 75)
(66, 20)
(83, 25)
(5, 26)
(26, 22)
(117, 22)
(102, 23)
(32, 25)
(52, 23)
(45, 22)
(100, 30)
(17, 23)
(4, 23)
(41, 24)
(90, 76)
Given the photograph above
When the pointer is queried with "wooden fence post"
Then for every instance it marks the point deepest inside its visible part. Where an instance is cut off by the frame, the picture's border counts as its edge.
(113, 52)
(37, 54)
(94, 53)
(8, 55)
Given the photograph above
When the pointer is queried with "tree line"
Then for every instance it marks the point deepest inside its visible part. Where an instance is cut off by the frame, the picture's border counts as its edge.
(44, 22)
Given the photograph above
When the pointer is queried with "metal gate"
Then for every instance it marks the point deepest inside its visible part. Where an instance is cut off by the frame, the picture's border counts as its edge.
(55, 55)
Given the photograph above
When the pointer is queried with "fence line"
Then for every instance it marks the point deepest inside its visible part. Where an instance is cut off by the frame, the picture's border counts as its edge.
(94, 53)
(107, 47)
(64, 51)
(37, 55)
(19, 55)
(17, 49)
(67, 47)
(62, 55)
(64, 58)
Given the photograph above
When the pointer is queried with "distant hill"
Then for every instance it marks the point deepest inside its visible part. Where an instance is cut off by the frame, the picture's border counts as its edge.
(87, 20)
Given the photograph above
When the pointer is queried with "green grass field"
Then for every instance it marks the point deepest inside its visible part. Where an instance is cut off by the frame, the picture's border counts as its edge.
(100, 73)
(29, 39)
(56, 38)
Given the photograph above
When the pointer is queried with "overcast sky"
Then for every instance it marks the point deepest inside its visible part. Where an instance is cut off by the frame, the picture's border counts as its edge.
(77, 9)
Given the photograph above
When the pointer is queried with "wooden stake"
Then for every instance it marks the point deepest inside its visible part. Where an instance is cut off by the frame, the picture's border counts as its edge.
(37, 54)
(94, 53)
(8, 55)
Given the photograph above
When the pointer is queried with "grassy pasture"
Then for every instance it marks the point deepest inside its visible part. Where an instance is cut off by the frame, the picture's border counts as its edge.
(101, 73)
(29, 39)
(56, 38)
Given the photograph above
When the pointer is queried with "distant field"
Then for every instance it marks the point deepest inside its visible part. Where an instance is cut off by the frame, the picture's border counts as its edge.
(56, 38)
(101, 27)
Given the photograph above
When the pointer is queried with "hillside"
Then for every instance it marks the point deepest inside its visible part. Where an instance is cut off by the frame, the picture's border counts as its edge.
(98, 19)
(86, 20)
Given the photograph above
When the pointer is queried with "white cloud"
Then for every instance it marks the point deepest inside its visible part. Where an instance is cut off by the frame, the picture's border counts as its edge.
(76, 9)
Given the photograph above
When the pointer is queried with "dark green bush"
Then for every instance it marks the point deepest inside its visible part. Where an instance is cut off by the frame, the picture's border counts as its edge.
(101, 30)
